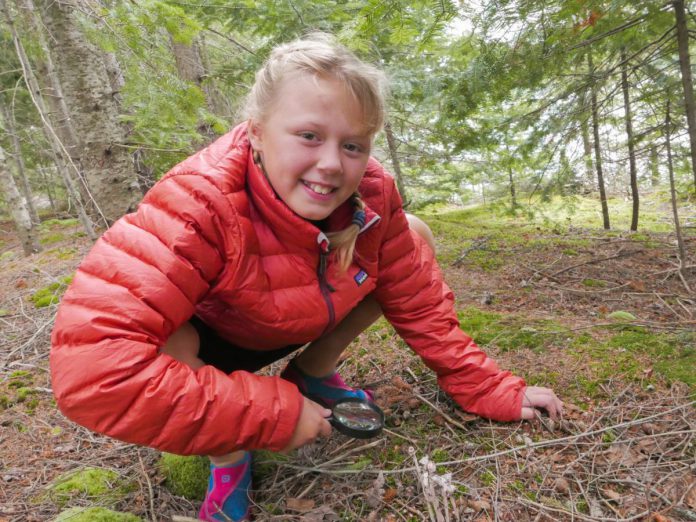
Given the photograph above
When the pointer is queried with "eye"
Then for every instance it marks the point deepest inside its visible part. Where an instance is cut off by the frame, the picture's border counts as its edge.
(310, 136)
(353, 147)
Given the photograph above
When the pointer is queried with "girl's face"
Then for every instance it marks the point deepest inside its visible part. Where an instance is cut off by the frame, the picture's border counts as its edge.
(314, 145)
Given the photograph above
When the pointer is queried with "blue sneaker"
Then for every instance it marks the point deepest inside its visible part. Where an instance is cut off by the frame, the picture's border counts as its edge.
(324, 390)
(228, 497)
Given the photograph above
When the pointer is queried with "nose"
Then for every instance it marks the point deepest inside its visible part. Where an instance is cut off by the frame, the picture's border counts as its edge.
(329, 161)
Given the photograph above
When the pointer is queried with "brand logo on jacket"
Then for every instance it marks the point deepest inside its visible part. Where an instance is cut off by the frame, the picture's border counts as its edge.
(360, 277)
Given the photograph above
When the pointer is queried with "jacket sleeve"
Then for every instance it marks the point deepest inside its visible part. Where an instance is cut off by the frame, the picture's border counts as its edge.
(138, 284)
(420, 306)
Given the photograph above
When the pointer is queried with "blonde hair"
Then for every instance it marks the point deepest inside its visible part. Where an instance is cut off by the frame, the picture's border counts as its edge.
(319, 54)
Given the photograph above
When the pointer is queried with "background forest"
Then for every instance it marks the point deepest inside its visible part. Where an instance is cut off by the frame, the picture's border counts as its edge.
(549, 144)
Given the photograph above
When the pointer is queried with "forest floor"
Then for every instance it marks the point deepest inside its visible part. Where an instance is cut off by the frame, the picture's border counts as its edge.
(601, 317)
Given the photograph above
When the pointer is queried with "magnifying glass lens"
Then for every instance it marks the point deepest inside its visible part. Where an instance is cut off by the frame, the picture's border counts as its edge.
(358, 416)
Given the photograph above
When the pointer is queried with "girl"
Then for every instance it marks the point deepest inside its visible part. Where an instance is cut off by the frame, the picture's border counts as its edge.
(281, 233)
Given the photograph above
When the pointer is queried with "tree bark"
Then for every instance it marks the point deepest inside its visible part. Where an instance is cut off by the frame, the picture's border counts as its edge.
(687, 83)
(597, 148)
(629, 138)
(57, 149)
(672, 191)
(394, 157)
(586, 144)
(190, 66)
(654, 166)
(8, 122)
(91, 101)
(513, 198)
(19, 210)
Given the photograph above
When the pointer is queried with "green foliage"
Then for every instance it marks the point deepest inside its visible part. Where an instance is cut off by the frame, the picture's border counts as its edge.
(185, 476)
(51, 294)
(94, 514)
(96, 484)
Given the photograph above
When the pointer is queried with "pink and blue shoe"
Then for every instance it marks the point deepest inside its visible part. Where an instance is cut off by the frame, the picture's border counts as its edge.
(324, 390)
(228, 498)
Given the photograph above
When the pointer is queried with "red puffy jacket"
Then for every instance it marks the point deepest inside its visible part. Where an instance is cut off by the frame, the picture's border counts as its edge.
(212, 238)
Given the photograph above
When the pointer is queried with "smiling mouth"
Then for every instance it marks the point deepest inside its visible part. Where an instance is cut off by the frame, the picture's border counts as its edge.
(319, 189)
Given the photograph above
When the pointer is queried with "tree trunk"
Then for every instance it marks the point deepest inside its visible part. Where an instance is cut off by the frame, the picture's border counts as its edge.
(586, 144)
(8, 122)
(654, 167)
(687, 83)
(629, 137)
(89, 95)
(597, 149)
(56, 146)
(190, 66)
(18, 209)
(393, 155)
(49, 192)
(670, 169)
(513, 199)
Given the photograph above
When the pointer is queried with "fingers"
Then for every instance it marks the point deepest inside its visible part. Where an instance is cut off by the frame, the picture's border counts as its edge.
(539, 397)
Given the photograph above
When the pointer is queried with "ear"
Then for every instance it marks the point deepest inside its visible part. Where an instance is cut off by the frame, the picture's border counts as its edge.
(255, 134)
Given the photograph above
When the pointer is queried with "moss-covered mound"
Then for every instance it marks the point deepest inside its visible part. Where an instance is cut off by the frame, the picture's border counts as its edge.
(185, 476)
(102, 485)
(95, 514)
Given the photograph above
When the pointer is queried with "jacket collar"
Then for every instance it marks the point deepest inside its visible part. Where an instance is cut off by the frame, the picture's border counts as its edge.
(288, 226)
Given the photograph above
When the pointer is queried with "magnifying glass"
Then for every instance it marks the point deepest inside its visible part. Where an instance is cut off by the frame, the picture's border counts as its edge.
(357, 418)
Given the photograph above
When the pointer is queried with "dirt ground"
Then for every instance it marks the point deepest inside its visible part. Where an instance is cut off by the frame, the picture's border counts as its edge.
(625, 449)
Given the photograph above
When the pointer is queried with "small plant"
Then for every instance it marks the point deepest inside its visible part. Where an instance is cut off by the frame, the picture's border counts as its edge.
(52, 293)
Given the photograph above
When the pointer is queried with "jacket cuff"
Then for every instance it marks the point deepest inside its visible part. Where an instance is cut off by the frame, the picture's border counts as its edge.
(292, 403)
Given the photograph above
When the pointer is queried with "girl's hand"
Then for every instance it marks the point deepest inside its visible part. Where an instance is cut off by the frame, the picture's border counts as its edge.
(312, 424)
(537, 397)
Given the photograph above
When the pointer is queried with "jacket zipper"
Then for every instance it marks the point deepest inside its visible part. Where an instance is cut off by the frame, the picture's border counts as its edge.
(324, 286)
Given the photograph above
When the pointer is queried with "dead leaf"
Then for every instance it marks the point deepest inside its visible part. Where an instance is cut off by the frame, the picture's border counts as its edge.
(390, 494)
(638, 286)
(299, 504)
(561, 485)
(479, 505)
(22, 283)
(439, 420)
(656, 517)
(611, 494)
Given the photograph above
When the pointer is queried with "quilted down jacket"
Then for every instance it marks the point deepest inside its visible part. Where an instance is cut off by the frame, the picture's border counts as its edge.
(211, 238)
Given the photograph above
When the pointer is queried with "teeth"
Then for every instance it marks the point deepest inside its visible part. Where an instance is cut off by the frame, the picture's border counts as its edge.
(319, 189)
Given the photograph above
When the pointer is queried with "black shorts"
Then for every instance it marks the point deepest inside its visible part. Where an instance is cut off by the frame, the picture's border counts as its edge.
(225, 356)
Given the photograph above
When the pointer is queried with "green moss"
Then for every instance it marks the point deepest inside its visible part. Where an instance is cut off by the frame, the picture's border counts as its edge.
(51, 224)
(510, 332)
(5, 256)
(102, 485)
(51, 294)
(185, 476)
(19, 373)
(55, 237)
(62, 253)
(488, 478)
(4, 402)
(23, 393)
(94, 514)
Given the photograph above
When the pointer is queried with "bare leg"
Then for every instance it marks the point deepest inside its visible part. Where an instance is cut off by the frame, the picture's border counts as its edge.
(320, 357)
(183, 346)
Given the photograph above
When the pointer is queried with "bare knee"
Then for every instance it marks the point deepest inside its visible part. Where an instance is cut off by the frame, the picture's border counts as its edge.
(183, 345)
(422, 229)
